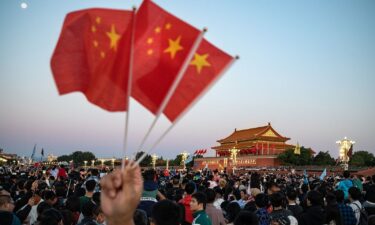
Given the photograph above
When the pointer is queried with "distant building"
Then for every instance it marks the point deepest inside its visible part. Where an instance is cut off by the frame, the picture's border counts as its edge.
(6, 157)
(51, 158)
(256, 147)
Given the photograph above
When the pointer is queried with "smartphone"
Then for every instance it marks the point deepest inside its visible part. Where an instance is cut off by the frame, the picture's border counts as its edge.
(44, 172)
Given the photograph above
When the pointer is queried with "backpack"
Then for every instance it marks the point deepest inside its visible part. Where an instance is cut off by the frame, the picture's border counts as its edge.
(363, 218)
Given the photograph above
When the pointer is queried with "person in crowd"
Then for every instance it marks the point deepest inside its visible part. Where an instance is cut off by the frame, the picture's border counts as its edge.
(246, 218)
(189, 190)
(278, 212)
(332, 210)
(7, 217)
(232, 210)
(51, 217)
(165, 212)
(62, 173)
(90, 186)
(218, 198)
(261, 202)
(314, 214)
(197, 205)
(292, 204)
(346, 212)
(345, 184)
(354, 196)
(216, 215)
(369, 204)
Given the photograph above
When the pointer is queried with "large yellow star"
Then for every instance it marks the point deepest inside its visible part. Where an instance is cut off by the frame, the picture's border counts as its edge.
(174, 47)
(200, 61)
(114, 37)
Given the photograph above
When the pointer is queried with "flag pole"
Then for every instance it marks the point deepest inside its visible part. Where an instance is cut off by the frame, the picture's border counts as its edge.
(128, 93)
(171, 90)
(222, 72)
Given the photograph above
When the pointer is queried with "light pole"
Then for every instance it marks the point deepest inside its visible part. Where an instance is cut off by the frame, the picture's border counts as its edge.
(113, 163)
(92, 163)
(154, 158)
(346, 145)
(85, 162)
(184, 157)
(233, 155)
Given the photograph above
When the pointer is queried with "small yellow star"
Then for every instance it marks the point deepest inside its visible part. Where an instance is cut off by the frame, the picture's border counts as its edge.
(93, 28)
(174, 46)
(150, 51)
(200, 61)
(114, 37)
(98, 20)
(168, 26)
(150, 40)
(95, 42)
(102, 54)
(157, 30)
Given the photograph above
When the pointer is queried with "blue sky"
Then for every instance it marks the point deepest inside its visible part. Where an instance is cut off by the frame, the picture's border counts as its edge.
(306, 66)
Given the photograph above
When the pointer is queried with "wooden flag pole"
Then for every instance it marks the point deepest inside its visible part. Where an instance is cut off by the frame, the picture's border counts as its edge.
(171, 90)
(222, 72)
(130, 79)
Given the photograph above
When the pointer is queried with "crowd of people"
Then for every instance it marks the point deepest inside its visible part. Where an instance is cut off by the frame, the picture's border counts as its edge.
(55, 195)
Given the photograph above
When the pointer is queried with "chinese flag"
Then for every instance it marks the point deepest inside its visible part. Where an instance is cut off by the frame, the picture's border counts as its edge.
(85, 56)
(162, 43)
(206, 66)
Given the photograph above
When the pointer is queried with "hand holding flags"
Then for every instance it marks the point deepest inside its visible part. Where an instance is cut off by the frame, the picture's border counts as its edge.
(152, 56)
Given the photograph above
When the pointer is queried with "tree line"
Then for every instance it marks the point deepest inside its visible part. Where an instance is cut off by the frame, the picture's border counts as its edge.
(359, 158)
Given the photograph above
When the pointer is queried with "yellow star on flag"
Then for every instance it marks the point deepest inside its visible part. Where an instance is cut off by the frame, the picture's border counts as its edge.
(174, 47)
(114, 37)
(200, 61)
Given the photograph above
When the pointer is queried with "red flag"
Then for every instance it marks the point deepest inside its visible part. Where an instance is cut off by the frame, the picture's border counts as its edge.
(85, 56)
(207, 65)
(195, 152)
(162, 43)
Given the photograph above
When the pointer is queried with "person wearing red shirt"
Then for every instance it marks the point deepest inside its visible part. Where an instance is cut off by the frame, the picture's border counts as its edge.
(62, 172)
(189, 190)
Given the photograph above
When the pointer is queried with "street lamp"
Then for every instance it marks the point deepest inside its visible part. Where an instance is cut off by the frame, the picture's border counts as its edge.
(85, 162)
(233, 156)
(183, 158)
(154, 158)
(113, 163)
(345, 146)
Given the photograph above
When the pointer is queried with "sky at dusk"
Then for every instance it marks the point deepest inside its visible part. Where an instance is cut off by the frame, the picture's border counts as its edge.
(308, 67)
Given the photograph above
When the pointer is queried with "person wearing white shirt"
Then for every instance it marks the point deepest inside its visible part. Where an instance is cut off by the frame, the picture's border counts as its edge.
(354, 195)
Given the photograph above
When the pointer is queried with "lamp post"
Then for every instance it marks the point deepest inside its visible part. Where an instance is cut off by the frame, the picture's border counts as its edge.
(233, 156)
(85, 162)
(92, 163)
(346, 145)
(153, 160)
(183, 158)
(113, 163)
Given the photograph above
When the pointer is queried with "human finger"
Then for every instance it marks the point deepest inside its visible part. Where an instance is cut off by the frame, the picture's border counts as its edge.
(107, 185)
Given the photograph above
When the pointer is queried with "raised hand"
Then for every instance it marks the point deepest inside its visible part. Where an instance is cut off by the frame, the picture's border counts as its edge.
(121, 193)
